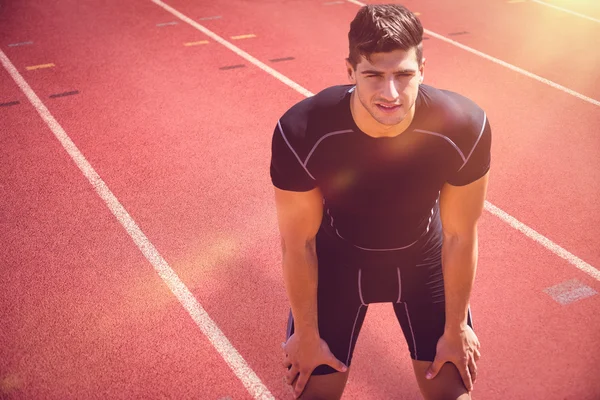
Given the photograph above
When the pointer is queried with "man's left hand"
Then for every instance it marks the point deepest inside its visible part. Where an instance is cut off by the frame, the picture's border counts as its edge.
(460, 347)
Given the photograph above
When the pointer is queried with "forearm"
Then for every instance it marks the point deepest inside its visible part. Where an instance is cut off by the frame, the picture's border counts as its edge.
(459, 260)
(300, 274)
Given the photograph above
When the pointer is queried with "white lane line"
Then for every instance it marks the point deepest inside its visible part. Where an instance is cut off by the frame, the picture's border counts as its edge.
(177, 287)
(544, 241)
(20, 44)
(553, 247)
(567, 11)
(210, 18)
(515, 68)
(233, 48)
(167, 24)
(505, 64)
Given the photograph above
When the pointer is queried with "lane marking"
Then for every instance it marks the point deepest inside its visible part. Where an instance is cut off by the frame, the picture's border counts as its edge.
(234, 48)
(34, 67)
(196, 43)
(71, 93)
(331, 3)
(358, 3)
(177, 287)
(10, 103)
(210, 18)
(282, 59)
(458, 33)
(10, 383)
(167, 24)
(417, 13)
(233, 66)
(569, 292)
(504, 64)
(544, 241)
(550, 245)
(251, 35)
(515, 1)
(20, 44)
(567, 11)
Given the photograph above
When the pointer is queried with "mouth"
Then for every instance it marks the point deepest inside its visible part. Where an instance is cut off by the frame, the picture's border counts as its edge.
(388, 108)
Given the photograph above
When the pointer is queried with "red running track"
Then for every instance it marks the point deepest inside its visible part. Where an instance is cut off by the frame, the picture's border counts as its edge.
(185, 146)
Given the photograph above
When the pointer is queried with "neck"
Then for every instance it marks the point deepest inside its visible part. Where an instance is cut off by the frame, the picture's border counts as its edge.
(370, 126)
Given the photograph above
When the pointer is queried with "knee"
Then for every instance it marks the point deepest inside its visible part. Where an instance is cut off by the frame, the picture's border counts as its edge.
(325, 387)
(325, 395)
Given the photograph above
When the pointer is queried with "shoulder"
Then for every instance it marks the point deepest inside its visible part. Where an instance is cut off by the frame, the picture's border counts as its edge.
(451, 108)
(452, 115)
(314, 115)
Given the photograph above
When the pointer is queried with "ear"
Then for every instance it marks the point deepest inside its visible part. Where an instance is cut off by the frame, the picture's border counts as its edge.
(422, 70)
(351, 72)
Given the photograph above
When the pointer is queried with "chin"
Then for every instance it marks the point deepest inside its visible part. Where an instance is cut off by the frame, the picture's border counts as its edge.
(389, 120)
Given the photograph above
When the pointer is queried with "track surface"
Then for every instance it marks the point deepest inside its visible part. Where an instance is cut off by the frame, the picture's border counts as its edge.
(184, 146)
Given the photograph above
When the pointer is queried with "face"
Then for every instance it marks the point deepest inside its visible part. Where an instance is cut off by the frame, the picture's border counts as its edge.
(386, 87)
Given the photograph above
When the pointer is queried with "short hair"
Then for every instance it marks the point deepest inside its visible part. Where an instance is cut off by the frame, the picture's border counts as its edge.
(381, 28)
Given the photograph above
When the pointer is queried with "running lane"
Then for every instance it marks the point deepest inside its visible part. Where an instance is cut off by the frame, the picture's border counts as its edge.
(85, 315)
(553, 44)
(157, 141)
(525, 268)
(590, 8)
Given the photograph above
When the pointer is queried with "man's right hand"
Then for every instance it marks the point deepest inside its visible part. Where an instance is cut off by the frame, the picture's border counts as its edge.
(304, 353)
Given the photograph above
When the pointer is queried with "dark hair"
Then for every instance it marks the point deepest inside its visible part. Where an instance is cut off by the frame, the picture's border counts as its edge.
(382, 28)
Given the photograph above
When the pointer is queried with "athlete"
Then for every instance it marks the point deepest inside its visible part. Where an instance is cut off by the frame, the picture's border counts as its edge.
(379, 185)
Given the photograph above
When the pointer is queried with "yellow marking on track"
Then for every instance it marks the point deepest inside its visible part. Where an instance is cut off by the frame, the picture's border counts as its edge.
(243, 36)
(515, 1)
(417, 13)
(196, 43)
(31, 68)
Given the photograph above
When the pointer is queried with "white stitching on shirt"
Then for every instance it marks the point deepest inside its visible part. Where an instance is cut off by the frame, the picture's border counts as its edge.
(323, 138)
(411, 331)
(330, 217)
(462, 156)
(294, 151)
(399, 286)
(360, 287)
(365, 248)
(312, 150)
(397, 248)
(352, 335)
(476, 142)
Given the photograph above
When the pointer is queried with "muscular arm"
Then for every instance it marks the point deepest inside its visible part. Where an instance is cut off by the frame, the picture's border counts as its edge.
(299, 215)
(460, 209)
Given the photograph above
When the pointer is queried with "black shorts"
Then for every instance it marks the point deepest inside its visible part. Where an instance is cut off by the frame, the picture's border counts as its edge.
(349, 282)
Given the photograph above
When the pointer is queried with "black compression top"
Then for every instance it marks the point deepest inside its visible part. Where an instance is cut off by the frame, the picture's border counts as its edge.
(380, 193)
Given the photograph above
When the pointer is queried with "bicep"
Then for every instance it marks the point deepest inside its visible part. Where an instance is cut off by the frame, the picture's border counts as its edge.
(461, 206)
(299, 215)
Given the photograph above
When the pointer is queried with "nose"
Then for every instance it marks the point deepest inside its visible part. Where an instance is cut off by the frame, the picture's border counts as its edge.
(390, 92)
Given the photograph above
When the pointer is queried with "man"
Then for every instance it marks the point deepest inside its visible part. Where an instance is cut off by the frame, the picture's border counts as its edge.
(378, 188)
